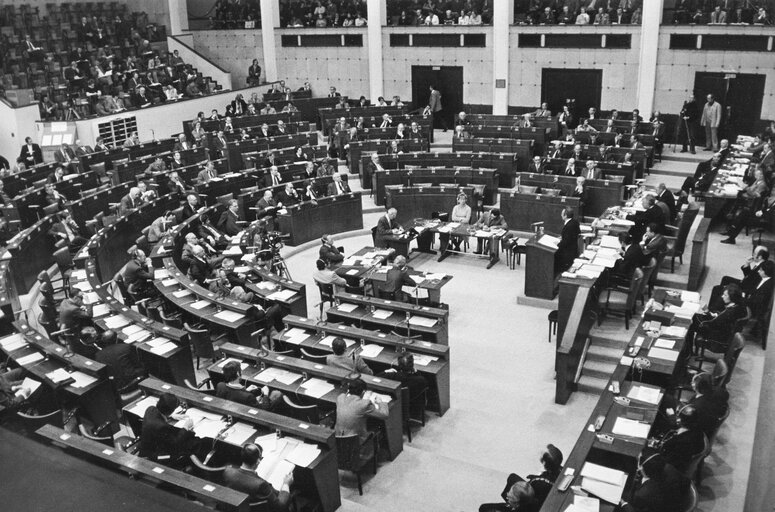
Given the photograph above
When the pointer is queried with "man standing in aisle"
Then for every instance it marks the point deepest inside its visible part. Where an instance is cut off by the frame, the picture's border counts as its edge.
(687, 128)
(434, 104)
(711, 119)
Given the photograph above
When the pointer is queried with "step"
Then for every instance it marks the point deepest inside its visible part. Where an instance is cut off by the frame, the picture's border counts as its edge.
(589, 384)
(599, 369)
(603, 353)
(600, 341)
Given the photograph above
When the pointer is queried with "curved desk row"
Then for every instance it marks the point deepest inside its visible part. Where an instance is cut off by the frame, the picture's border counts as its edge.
(237, 149)
(485, 179)
(312, 152)
(243, 121)
(309, 220)
(601, 193)
(359, 149)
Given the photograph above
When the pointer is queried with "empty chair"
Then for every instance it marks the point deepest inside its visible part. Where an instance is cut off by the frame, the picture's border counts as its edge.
(201, 343)
(64, 261)
(172, 320)
(621, 300)
(206, 386)
(211, 474)
(315, 358)
(348, 449)
(326, 295)
(307, 413)
(32, 422)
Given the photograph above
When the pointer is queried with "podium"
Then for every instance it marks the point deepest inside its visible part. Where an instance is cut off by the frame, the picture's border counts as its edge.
(539, 270)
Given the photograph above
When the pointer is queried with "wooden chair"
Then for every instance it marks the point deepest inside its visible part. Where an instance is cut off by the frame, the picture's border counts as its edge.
(32, 422)
(315, 358)
(171, 321)
(326, 295)
(201, 343)
(690, 471)
(410, 406)
(84, 431)
(348, 449)
(201, 470)
(64, 261)
(691, 499)
(676, 250)
(307, 413)
(205, 387)
(621, 300)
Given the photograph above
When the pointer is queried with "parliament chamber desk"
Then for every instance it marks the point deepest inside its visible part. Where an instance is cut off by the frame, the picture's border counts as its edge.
(420, 202)
(210, 492)
(431, 360)
(359, 149)
(319, 480)
(483, 181)
(30, 251)
(643, 387)
(601, 193)
(521, 211)
(304, 372)
(366, 263)
(82, 380)
(329, 115)
(310, 220)
(539, 269)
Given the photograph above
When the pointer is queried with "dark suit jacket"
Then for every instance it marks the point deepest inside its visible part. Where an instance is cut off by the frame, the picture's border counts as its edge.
(759, 299)
(396, 278)
(37, 154)
(668, 198)
(679, 448)
(633, 258)
(288, 199)
(136, 274)
(330, 254)
(660, 495)
(160, 438)
(268, 182)
(72, 316)
(227, 223)
(263, 205)
(568, 248)
(722, 327)
(127, 204)
(384, 227)
(198, 270)
(541, 169)
(122, 363)
(254, 486)
(710, 408)
(333, 191)
(241, 396)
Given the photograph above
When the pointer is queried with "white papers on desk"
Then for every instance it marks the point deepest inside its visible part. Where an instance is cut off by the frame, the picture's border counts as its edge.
(303, 454)
(731, 189)
(13, 342)
(274, 469)
(685, 311)
(444, 229)
(140, 407)
(622, 222)
(200, 304)
(229, 316)
(164, 348)
(663, 343)
(588, 271)
(661, 353)
(630, 428)
(687, 296)
(317, 387)
(549, 241)
(169, 282)
(371, 350)
(58, 375)
(674, 331)
(161, 273)
(131, 329)
(352, 271)
(329, 341)
(605, 483)
(382, 314)
(626, 361)
(30, 384)
(157, 342)
(270, 443)
(605, 260)
(100, 310)
(181, 293)
(377, 397)
(347, 308)
(84, 286)
(30, 359)
(422, 321)
(648, 394)
(82, 380)
(137, 336)
(196, 415)
(116, 321)
(435, 277)
(424, 360)
(584, 504)
(208, 428)
(295, 336)
(238, 434)
(78, 275)
(90, 297)
(281, 295)
(610, 242)
(266, 285)
(234, 250)
(277, 374)
(242, 364)
(480, 233)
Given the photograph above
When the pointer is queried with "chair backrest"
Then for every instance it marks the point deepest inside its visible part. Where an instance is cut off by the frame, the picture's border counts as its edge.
(211, 474)
(405, 401)
(200, 340)
(735, 348)
(143, 244)
(315, 358)
(33, 422)
(683, 230)
(374, 236)
(307, 413)
(326, 292)
(720, 373)
(635, 283)
(259, 506)
(348, 449)
(691, 467)
(63, 258)
(177, 323)
(107, 441)
(691, 499)
(224, 199)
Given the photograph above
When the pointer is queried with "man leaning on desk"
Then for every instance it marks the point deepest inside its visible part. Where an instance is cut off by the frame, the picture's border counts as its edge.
(245, 479)
(488, 221)
(386, 225)
(160, 439)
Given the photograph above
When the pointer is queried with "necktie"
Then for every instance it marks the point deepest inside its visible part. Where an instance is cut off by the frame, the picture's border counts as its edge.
(275, 181)
(340, 187)
(212, 174)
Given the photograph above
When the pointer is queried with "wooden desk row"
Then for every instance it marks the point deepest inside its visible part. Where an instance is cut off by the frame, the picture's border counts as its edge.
(421, 201)
(309, 220)
(627, 172)
(329, 115)
(237, 149)
(540, 136)
(484, 180)
(522, 148)
(312, 152)
(128, 171)
(359, 149)
(602, 193)
(243, 121)
(29, 203)
(522, 210)
(109, 158)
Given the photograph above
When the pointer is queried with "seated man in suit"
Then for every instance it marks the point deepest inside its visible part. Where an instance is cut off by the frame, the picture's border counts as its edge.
(73, 314)
(407, 375)
(352, 410)
(758, 300)
(199, 269)
(120, 358)
(537, 166)
(208, 173)
(591, 172)
(718, 324)
(191, 207)
(52, 196)
(231, 388)
(680, 445)
(324, 275)
(748, 201)
(161, 226)
(386, 225)
(228, 223)
(568, 248)
(289, 196)
(129, 201)
(244, 479)
(182, 144)
(653, 244)
(491, 220)
(396, 277)
(273, 178)
(329, 252)
(155, 167)
(632, 257)
(667, 197)
(138, 274)
(651, 213)
(175, 185)
(267, 207)
(338, 186)
(272, 160)
(160, 439)
(660, 487)
(67, 229)
(351, 362)
(541, 484)
(13, 394)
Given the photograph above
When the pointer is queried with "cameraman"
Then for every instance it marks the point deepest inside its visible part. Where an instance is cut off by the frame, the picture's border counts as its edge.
(687, 125)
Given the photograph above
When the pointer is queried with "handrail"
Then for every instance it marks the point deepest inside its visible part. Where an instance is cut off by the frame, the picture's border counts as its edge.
(177, 40)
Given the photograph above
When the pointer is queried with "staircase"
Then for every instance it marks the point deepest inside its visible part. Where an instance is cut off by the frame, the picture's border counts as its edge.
(602, 357)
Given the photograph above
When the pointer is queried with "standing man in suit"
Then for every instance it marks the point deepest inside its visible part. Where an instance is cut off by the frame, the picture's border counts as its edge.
(31, 153)
(244, 479)
(220, 145)
(434, 104)
(338, 187)
(758, 299)
(568, 248)
(386, 225)
(711, 119)
(581, 191)
(687, 128)
(228, 222)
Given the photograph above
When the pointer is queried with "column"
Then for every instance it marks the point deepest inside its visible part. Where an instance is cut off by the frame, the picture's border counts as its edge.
(503, 14)
(649, 44)
(270, 18)
(376, 14)
(178, 16)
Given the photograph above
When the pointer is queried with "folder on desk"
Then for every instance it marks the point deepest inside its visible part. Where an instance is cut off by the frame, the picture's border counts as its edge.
(303, 454)
(229, 316)
(239, 433)
(329, 340)
(382, 314)
(610, 242)
(13, 342)
(422, 321)
(182, 293)
(116, 321)
(30, 359)
(371, 350)
(661, 353)
(100, 310)
(630, 428)
(200, 304)
(316, 388)
(648, 394)
(281, 295)
(82, 380)
(169, 282)
(163, 349)
(347, 308)
(605, 483)
(140, 407)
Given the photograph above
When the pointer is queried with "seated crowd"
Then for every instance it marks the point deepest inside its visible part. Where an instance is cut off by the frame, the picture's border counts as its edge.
(721, 12)
(231, 14)
(575, 12)
(322, 14)
(430, 13)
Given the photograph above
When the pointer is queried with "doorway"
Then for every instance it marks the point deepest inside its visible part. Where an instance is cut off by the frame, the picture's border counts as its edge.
(740, 96)
(582, 85)
(448, 80)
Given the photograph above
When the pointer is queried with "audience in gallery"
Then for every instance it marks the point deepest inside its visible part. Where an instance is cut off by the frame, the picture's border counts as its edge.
(432, 13)
(721, 12)
(575, 12)
(322, 14)
(230, 14)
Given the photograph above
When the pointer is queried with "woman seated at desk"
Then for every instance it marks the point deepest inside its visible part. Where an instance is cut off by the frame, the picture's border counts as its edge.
(461, 213)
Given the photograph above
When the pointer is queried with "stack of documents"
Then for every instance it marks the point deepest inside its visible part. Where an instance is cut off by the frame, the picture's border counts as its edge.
(116, 321)
(30, 359)
(200, 304)
(610, 242)
(169, 282)
(277, 374)
(58, 375)
(584, 504)
(347, 308)
(648, 394)
(661, 353)
(674, 331)
(295, 336)
(82, 380)
(382, 314)
(13, 342)
(100, 310)
(630, 428)
(605, 483)
(549, 241)
(238, 434)
(230, 316)
(424, 360)
(181, 293)
(282, 295)
(422, 321)
(317, 387)
(161, 346)
(140, 407)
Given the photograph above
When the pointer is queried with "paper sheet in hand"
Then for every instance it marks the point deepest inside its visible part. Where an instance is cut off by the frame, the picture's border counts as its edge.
(13, 342)
(379, 397)
(422, 321)
(230, 316)
(303, 454)
(329, 340)
(82, 380)
(281, 295)
(29, 359)
(100, 310)
(382, 314)
(274, 470)
(347, 308)
(200, 304)
(661, 353)
(239, 433)
(646, 394)
(371, 350)
(140, 407)
(630, 428)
